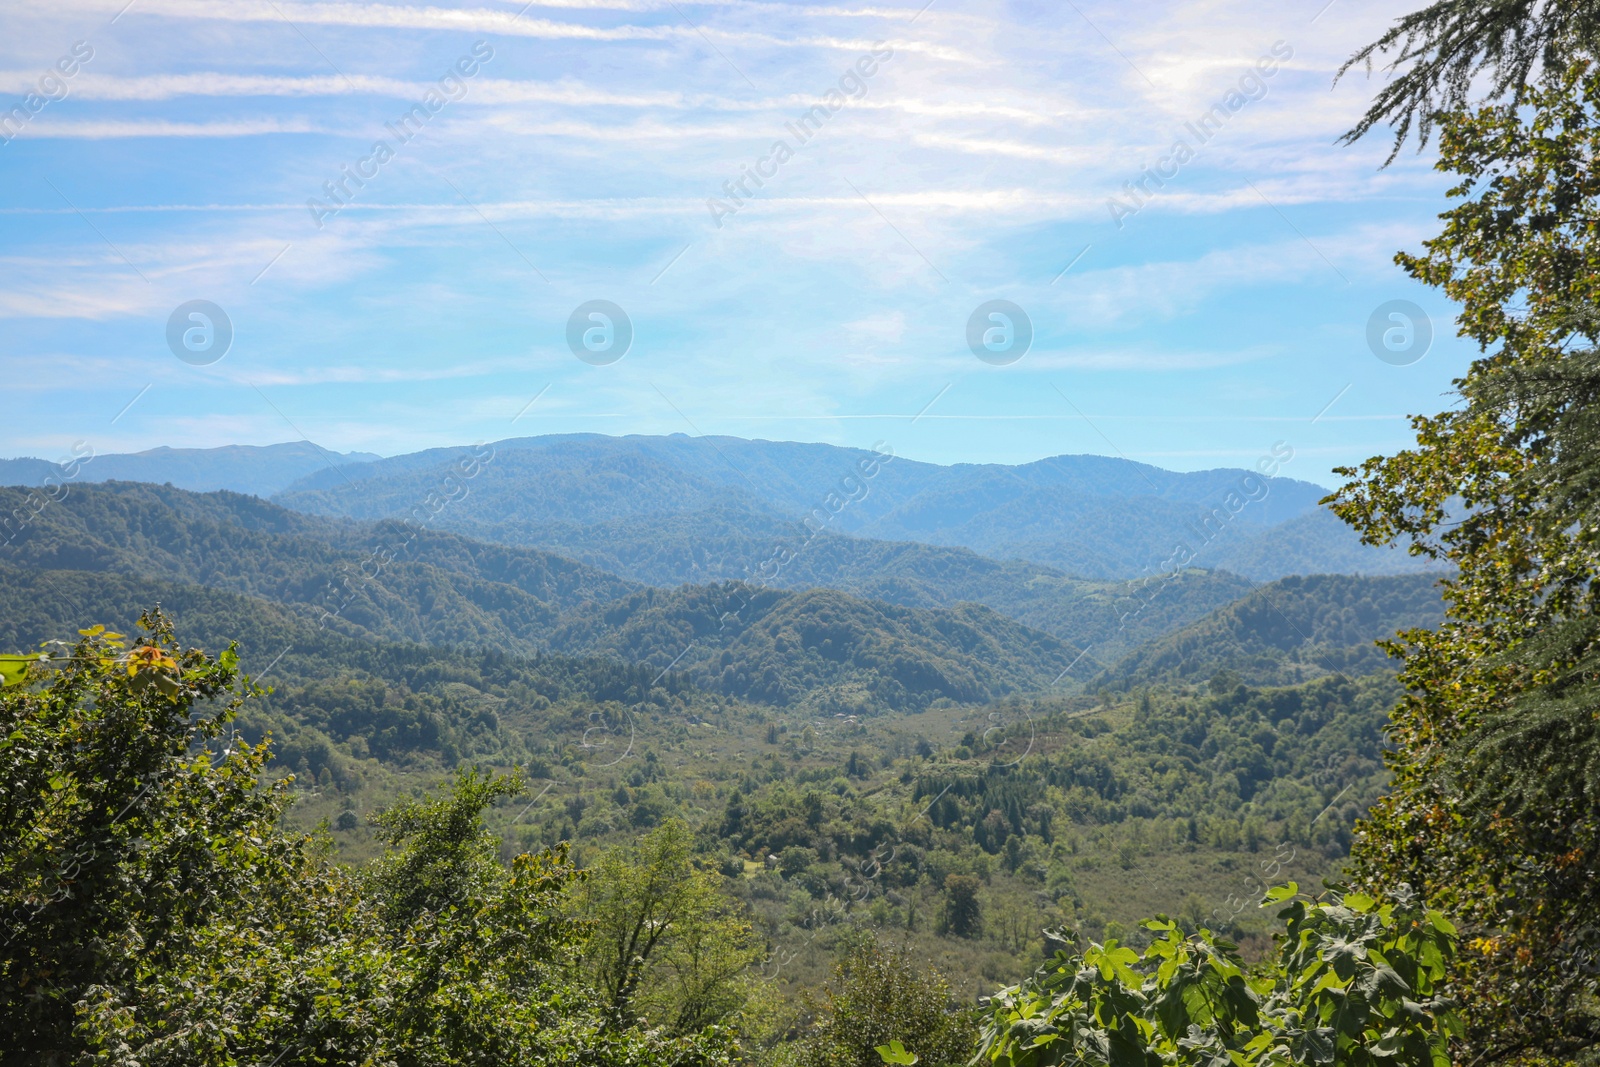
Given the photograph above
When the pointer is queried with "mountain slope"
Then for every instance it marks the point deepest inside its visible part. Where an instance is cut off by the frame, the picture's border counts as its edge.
(350, 708)
(1289, 631)
(1089, 516)
(260, 470)
(732, 544)
(373, 580)
(1315, 542)
(386, 581)
(832, 651)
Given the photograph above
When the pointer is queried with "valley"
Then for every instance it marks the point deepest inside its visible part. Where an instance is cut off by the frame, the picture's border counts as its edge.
(883, 727)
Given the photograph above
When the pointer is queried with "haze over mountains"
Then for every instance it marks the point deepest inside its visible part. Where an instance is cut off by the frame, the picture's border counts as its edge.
(668, 510)
(257, 469)
(772, 571)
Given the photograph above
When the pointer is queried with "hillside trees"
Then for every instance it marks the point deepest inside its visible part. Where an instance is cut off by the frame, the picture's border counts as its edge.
(1493, 811)
(667, 946)
(153, 910)
(963, 911)
(882, 993)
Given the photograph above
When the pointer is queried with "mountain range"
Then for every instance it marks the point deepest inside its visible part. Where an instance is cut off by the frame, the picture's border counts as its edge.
(907, 583)
(675, 509)
(867, 626)
(257, 469)
(1096, 689)
(386, 581)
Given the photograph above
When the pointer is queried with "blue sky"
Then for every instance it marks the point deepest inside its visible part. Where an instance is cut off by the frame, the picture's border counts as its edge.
(585, 158)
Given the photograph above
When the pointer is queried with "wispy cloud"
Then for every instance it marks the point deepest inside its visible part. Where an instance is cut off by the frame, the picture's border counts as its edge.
(975, 164)
(500, 23)
(502, 91)
(115, 128)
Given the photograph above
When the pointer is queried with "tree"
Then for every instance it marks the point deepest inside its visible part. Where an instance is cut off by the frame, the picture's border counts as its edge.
(1354, 983)
(667, 947)
(1446, 47)
(439, 850)
(963, 913)
(156, 912)
(119, 834)
(882, 994)
(1494, 808)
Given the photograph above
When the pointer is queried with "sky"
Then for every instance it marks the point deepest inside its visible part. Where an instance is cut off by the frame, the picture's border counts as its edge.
(394, 226)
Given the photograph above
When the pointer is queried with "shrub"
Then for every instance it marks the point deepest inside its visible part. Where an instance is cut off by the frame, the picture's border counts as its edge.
(1355, 983)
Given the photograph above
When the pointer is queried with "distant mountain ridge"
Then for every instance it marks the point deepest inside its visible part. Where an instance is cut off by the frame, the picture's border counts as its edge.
(1087, 516)
(260, 470)
(604, 499)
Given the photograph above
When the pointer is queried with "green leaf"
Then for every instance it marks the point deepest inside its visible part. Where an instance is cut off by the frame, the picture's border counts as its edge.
(1280, 893)
(12, 668)
(1320, 1045)
(895, 1052)
(1358, 902)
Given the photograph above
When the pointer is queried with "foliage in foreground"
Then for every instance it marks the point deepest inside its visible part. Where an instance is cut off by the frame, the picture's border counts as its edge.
(1494, 811)
(154, 912)
(1355, 983)
(1451, 51)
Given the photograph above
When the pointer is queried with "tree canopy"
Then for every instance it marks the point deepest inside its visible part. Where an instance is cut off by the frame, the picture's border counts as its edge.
(1354, 983)
(1450, 48)
(1492, 812)
(157, 912)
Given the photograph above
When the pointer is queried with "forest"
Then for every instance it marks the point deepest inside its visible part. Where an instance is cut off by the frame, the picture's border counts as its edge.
(291, 783)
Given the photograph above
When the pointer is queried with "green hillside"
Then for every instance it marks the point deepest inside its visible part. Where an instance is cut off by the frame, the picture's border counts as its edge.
(831, 651)
(738, 544)
(387, 580)
(1059, 811)
(849, 765)
(1088, 516)
(364, 711)
(402, 582)
(1288, 631)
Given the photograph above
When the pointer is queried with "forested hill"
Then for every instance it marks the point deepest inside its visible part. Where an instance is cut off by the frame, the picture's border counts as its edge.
(831, 651)
(404, 581)
(791, 727)
(739, 544)
(1089, 516)
(388, 581)
(1061, 812)
(362, 711)
(378, 579)
(1289, 631)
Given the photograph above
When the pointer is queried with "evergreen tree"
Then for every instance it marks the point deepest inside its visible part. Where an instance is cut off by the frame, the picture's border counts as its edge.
(1452, 47)
(1494, 811)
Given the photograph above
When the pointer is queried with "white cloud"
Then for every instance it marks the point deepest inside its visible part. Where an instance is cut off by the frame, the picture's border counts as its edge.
(115, 128)
(500, 23)
(989, 143)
